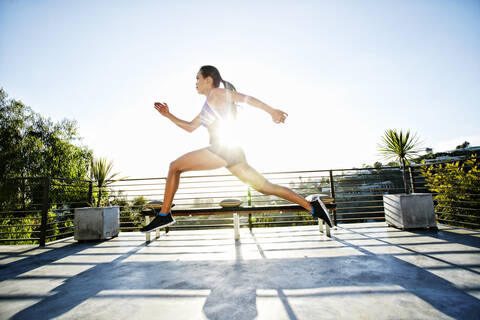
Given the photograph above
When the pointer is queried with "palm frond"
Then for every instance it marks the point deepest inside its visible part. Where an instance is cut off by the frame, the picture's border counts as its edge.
(100, 172)
(399, 146)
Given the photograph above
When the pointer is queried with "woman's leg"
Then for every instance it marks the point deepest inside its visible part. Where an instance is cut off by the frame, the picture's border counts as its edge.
(250, 176)
(196, 160)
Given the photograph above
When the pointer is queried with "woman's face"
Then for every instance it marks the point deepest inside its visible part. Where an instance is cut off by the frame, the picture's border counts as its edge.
(203, 85)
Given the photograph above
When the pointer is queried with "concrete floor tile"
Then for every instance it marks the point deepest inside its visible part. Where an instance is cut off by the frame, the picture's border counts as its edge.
(471, 257)
(142, 304)
(348, 303)
(413, 239)
(386, 249)
(10, 307)
(441, 248)
(59, 270)
(312, 253)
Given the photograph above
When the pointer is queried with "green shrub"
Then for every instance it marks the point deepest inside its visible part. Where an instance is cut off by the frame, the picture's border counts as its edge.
(457, 191)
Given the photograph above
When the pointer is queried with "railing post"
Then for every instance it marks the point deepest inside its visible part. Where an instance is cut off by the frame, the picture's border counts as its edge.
(412, 182)
(332, 195)
(44, 219)
(90, 193)
(249, 203)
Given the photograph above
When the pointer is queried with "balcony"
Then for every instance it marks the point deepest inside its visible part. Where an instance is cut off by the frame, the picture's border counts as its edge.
(364, 271)
(281, 268)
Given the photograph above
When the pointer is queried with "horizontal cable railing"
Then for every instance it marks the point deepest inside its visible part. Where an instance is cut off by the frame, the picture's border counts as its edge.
(39, 210)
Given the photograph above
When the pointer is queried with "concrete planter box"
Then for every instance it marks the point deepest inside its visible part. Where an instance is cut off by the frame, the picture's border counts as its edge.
(96, 223)
(406, 211)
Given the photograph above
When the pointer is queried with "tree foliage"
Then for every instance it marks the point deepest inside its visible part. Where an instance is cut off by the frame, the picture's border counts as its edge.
(457, 190)
(464, 145)
(130, 217)
(32, 146)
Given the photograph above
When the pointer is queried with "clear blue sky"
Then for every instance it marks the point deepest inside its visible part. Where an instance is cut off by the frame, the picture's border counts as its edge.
(344, 71)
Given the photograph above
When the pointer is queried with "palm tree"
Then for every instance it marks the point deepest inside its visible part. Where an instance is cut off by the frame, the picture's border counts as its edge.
(401, 147)
(100, 173)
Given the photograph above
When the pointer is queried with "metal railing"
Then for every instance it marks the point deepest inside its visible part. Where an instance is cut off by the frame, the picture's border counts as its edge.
(38, 210)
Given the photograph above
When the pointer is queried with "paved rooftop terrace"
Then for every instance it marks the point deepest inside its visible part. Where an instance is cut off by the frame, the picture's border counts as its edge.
(365, 271)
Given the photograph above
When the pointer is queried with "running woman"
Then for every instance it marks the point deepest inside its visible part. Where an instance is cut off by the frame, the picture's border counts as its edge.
(218, 110)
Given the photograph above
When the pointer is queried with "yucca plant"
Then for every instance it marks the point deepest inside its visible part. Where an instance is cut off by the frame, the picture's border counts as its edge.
(100, 173)
(401, 147)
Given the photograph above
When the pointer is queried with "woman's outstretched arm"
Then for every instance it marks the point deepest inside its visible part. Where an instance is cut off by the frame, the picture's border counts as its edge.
(278, 116)
(185, 125)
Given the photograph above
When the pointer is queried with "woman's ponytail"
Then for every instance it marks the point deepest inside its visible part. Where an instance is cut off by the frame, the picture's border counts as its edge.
(227, 85)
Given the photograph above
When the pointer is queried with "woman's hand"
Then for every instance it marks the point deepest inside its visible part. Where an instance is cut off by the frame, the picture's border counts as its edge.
(278, 116)
(162, 108)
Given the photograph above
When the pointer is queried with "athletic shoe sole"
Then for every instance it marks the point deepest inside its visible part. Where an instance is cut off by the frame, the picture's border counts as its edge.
(159, 227)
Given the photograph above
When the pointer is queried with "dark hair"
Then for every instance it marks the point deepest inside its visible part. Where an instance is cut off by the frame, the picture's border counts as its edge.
(211, 71)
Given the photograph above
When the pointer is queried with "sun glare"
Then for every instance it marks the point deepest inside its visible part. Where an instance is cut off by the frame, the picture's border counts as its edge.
(231, 133)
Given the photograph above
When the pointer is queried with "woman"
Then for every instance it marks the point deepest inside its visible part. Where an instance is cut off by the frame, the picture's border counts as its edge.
(220, 108)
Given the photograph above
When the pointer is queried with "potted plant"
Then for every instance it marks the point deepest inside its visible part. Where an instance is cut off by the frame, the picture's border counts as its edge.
(405, 210)
(98, 223)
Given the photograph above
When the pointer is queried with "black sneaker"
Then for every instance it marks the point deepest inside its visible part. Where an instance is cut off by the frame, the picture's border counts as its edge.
(320, 211)
(158, 223)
